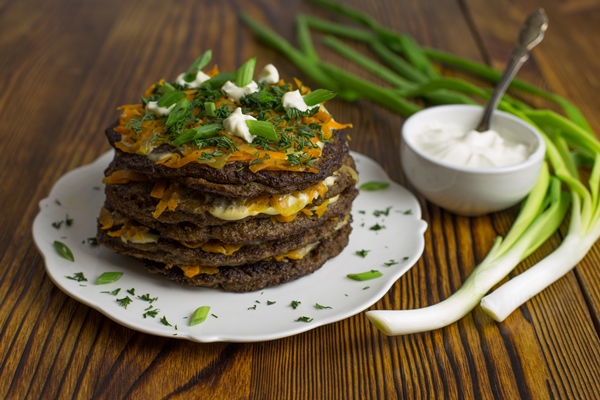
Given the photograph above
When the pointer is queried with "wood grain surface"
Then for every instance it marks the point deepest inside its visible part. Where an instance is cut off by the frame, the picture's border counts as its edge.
(65, 65)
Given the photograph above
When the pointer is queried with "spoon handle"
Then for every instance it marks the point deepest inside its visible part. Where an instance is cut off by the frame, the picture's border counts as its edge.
(530, 34)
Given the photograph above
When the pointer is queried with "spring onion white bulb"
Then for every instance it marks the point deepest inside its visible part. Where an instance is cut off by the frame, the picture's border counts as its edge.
(579, 240)
(532, 229)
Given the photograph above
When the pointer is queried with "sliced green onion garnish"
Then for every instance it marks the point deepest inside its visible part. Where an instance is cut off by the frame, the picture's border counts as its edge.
(199, 316)
(178, 112)
(318, 96)
(374, 186)
(199, 132)
(262, 128)
(245, 73)
(170, 98)
(219, 80)
(63, 250)
(165, 88)
(108, 277)
(209, 108)
(197, 65)
(365, 276)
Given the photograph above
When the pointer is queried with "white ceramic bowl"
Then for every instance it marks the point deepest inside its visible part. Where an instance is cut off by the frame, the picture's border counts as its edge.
(464, 190)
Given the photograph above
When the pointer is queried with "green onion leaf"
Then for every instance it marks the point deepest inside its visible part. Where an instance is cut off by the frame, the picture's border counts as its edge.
(108, 277)
(165, 88)
(197, 65)
(209, 108)
(178, 112)
(245, 73)
(199, 316)
(365, 276)
(318, 96)
(199, 132)
(170, 98)
(371, 186)
(219, 80)
(262, 128)
(63, 251)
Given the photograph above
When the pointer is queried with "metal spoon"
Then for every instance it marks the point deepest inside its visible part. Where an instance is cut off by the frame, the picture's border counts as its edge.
(530, 34)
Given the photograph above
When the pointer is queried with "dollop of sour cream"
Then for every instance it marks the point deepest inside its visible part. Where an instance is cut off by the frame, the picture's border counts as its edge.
(269, 74)
(200, 78)
(453, 145)
(235, 93)
(153, 108)
(236, 125)
(295, 100)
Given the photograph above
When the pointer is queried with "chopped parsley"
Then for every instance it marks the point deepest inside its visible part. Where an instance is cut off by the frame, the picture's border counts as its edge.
(152, 313)
(390, 263)
(164, 321)
(377, 227)
(379, 213)
(124, 302)
(320, 307)
(114, 292)
(131, 291)
(270, 303)
(78, 276)
(295, 304)
(362, 253)
(304, 319)
(252, 308)
(146, 297)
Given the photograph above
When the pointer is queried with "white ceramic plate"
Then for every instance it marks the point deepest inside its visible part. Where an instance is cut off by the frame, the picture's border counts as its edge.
(236, 317)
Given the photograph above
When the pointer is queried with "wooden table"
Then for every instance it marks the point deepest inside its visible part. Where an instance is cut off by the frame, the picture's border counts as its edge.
(64, 68)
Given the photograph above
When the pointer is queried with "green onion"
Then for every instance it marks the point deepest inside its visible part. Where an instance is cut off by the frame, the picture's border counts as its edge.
(367, 63)
(199, 316)
(108, 277)
(197, 65)
(199, 132)
(219, 80)
(170, 98)
(63, 251)
(371, 91)
(308, 67)
(497, 264)
(365, 276)
(317, 97)
(304, 41)
(263, 129)
(338, 29)
(165, 88)
(245, 73)
(178, 112)
(209, 108)
(374, 185)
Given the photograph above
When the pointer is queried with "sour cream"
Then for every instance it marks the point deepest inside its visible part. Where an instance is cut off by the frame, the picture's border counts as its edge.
(269, 74)
(200, 78)
(235, 93)
(153, 108)
(453, 145)
(295, 100)
(236, 125)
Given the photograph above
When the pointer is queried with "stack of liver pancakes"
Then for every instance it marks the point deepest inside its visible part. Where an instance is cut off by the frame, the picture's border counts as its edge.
(222, 181)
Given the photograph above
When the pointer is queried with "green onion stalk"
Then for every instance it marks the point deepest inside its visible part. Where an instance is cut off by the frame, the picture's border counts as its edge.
(415, 81)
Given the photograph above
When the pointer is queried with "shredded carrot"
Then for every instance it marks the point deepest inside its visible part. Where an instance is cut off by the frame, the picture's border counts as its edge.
(123, 176)
(105, 219)
(159, 188)
(192, 270)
